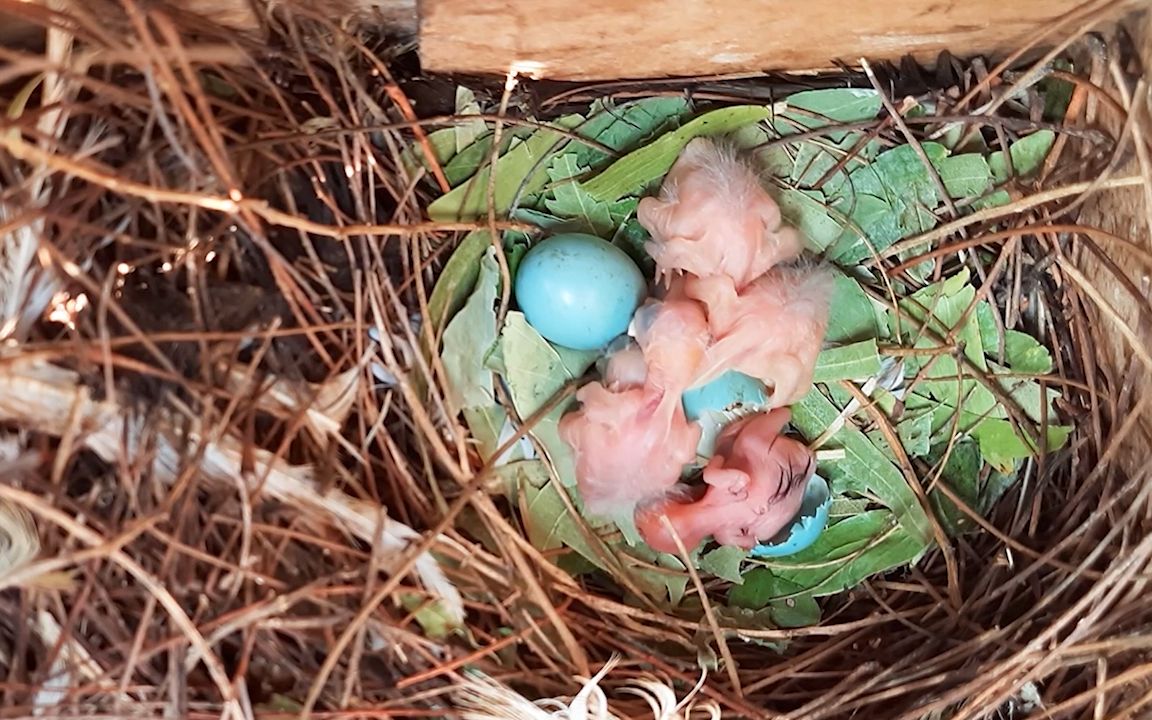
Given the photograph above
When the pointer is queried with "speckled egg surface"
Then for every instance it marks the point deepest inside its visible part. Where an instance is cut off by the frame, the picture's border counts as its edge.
(731, 392)
(578, 290)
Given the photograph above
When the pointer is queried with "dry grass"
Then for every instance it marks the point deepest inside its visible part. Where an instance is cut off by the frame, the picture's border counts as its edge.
(214, 507)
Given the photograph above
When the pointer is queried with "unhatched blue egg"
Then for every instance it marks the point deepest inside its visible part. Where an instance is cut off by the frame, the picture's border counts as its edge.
(805, 528)
(730, 392)
(578, 290)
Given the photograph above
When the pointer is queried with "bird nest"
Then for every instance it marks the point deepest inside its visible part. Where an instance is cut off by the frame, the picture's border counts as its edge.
(240, 481)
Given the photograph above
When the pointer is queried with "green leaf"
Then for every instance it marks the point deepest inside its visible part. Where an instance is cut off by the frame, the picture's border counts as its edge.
(278, 703)
(1025, 354)
(957, 392)
(814, 158)
(213, 84)
(1002, 446)
(706, 658)
(865, 468)
(468, 338)
(817, 158)
(1033, 398)
(547, 522)
(848, 362)
(515, 255)
(989, 330)
(443, 143)
(1057, 93)
(941, 307)
(797, 612)
(854, 318)
(890, 199)
(846, 507)
(485, 424)
(565, 167)
(962, 475)
(435, 622)
(467, 132)
(550, 526)
(1028, 155)
(807, 211)
(637, 170)
(754, 593)
(519, 172)
(457, 279)
(534, 372)
(623, 128)
(965, 176)
(915, 434)
(576, 564)
(993, 489)
(658, 575)
(873, 226)
(724, 562)
(845, 554)
(833, 105)
(576, 362)
(540, 219)
(898, 175)
(621, 210)
(631, 237)
(465, 163)
(572, 202)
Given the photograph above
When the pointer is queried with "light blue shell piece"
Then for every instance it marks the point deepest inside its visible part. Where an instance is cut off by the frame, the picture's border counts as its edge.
(805, 528)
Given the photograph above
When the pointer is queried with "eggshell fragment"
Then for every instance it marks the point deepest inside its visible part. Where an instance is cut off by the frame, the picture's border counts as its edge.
(716, 405)
(732, 391)
(805, 528)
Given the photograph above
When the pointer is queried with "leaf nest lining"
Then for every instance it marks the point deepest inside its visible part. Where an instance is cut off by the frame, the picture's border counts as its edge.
(957, 399)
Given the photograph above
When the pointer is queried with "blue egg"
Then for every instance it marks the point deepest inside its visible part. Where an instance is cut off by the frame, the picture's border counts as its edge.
(805, 528)
(732, 391)
(578, 290)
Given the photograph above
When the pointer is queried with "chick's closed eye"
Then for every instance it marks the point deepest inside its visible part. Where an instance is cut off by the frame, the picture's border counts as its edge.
(754, 487)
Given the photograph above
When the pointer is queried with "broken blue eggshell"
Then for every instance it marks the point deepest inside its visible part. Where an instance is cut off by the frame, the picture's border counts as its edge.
(578, 290)
(805, 528)
(721, 402)
(731, 392)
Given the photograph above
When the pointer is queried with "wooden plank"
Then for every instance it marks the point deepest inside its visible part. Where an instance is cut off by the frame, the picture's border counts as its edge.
(614, 39)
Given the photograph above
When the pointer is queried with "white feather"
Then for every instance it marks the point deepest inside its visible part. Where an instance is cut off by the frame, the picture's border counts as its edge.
(484, 698)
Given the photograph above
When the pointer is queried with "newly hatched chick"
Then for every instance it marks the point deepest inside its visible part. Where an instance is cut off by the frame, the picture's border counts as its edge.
(673, 335)
(754, 486)
(625, 452)
(713, 217)
(773, 329)
(625, 368)
(630, 438)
